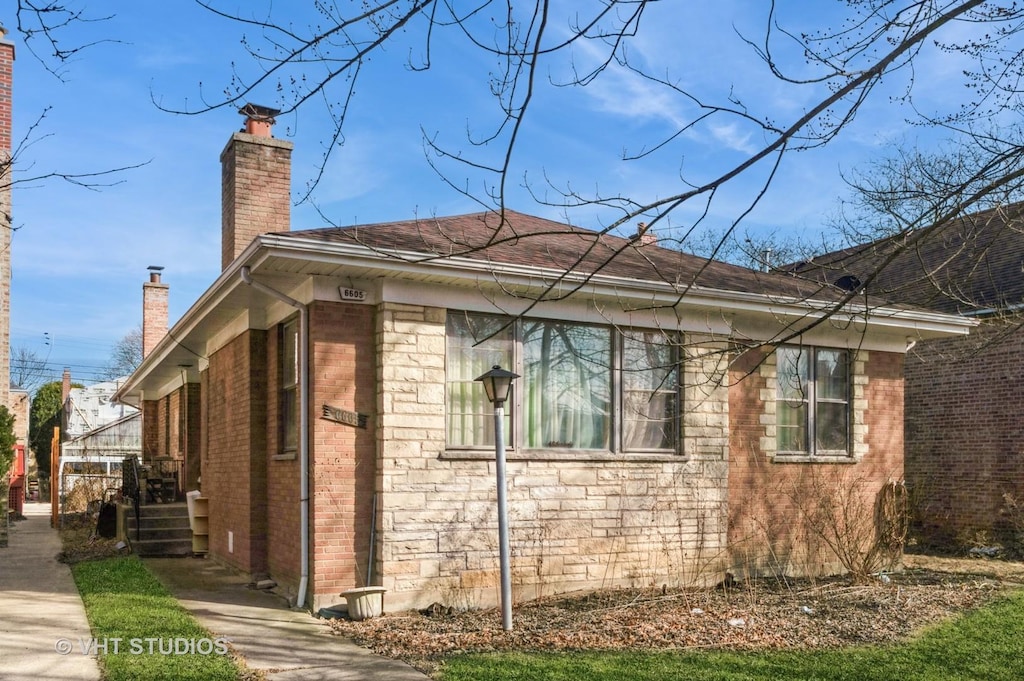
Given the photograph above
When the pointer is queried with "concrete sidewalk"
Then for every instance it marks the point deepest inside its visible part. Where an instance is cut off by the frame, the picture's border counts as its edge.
(285, 644)
(40, 607)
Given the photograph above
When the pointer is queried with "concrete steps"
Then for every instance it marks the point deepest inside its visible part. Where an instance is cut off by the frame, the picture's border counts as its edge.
(164, 530)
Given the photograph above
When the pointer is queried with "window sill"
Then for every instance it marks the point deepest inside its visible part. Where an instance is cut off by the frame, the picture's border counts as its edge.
(287, 456)
(561, 455)
(803, 458)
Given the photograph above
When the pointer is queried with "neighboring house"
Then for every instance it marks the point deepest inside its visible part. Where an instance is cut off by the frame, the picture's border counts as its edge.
(21, 401)
(97, 434)
(325, 385)
(19, 406)
(90, 463)
(91, 407)
(963, 397)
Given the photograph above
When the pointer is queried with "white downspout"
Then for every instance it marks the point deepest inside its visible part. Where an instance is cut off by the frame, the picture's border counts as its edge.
(303, 427)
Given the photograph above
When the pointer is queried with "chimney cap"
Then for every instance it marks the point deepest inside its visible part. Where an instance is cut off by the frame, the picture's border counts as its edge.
(155, 268)
(259, 113)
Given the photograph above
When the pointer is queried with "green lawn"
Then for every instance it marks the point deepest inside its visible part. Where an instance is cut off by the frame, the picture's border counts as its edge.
(123, 600)
(987, 645)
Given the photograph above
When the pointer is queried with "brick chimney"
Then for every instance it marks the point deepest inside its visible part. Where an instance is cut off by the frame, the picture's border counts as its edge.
(6, 123)
(154, 310)
(256, 178)
(643, 236)
(65, 386)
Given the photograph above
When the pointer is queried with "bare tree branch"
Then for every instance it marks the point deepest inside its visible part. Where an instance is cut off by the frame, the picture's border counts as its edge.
(537, 46)
(45, 23)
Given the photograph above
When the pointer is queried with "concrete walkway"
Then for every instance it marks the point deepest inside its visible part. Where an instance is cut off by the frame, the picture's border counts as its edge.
(285, 644)
(40, 609)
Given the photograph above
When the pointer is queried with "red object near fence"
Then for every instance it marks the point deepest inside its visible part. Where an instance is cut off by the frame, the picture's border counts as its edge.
(16, 494)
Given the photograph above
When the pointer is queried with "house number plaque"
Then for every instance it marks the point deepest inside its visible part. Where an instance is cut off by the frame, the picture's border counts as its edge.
(352, 294)
(349, 418)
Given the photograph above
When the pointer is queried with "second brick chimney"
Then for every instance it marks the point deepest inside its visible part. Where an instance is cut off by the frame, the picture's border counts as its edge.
(65, 386)
(256, 177)
(154, 310)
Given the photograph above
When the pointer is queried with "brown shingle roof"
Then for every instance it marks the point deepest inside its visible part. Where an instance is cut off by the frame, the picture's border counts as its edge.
(536, 242)
(969, 264)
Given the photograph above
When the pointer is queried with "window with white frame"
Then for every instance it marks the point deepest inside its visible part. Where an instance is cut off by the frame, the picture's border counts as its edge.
(581, 386)
(812, 401)
(288, 361)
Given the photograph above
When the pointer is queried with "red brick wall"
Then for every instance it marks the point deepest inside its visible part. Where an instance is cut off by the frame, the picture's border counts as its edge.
(282, 481)
(965, 436)
(171, 429)
(234, 466)
(343, 461)
(765, 533)
(192, 436)
(151, 428)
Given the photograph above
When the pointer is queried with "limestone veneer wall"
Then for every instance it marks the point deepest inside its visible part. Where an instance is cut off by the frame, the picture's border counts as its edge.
(575, 523)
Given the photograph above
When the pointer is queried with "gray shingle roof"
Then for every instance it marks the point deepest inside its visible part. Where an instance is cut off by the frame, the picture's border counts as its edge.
(970, 264)
(526, 240)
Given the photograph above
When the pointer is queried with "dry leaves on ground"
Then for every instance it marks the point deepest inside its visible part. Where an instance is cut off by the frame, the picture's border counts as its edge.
(756, 615)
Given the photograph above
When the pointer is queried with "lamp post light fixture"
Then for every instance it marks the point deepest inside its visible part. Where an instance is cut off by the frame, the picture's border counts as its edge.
(497, 384)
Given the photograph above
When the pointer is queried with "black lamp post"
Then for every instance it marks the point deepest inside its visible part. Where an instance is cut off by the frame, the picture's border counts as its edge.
(497, 384)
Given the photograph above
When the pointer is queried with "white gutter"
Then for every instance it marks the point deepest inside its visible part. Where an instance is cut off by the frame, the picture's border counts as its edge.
(300, 599)
(646, 293)
(650, 292)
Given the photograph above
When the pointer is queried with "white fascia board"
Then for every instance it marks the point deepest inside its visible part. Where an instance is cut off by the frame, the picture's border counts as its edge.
(643, 293)
(583, 308)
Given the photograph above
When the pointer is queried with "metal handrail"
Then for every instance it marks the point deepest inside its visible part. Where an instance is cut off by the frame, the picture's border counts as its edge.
(131, 488)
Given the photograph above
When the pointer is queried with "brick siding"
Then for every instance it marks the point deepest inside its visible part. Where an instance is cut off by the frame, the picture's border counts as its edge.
(283, 558)
(343, 466)
(965, 440)
(234, 466)
(151, 430)
(766, 534)
(342, 458)
(171, 429)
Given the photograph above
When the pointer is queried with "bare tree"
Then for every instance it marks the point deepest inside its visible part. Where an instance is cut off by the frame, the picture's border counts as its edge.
(125, 356)
(758, 251)
(935, 227)
(49, 30)
(535, 48)
(28, 369)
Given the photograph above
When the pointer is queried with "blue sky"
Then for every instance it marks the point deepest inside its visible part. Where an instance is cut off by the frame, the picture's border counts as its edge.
(80, 256)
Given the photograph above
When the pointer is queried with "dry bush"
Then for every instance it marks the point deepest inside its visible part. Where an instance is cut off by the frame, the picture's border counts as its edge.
(864, 525)
(80, 542)
(1013, 510)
